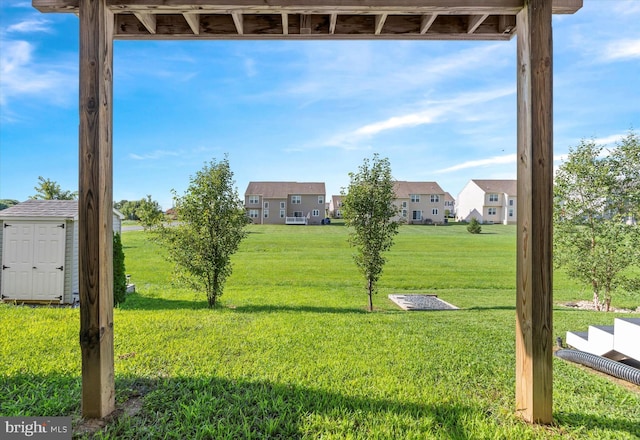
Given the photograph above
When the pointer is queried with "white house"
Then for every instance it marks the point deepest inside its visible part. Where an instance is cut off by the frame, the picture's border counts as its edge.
(39, 258)
(489, 201)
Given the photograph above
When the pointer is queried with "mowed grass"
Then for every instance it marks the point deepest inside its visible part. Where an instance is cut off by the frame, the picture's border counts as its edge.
(292, 353)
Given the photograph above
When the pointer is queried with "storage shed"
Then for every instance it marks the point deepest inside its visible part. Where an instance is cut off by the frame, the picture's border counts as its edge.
(39, 258)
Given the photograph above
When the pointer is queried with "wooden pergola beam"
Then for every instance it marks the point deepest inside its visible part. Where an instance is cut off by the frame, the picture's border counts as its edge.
(534, 286)
(95, 208)
(316, 6)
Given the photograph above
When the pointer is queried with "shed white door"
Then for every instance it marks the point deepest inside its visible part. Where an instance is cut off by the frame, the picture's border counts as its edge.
(33, 260)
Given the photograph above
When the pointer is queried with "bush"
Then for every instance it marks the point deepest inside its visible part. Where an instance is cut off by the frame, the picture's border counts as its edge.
(119, 275)
(474, 226)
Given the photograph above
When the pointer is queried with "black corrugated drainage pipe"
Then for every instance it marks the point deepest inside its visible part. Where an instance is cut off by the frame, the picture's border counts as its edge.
(612, 368)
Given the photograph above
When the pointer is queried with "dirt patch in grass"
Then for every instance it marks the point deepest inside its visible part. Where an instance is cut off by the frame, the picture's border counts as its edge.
(588, 305)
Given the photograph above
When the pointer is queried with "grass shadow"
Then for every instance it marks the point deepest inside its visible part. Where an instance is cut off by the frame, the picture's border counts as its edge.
(135, 301)
(269, 308)
(214, 407)
(588, 421)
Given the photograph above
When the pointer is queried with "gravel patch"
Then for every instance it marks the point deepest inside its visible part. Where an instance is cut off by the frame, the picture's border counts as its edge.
(421, 302)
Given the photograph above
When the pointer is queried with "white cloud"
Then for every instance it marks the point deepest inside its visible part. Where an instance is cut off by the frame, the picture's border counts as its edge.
(627, 7)
(626, 49)
(33, 25)
(434, 112)
(154, 155)
(609, 140)
(496, 160)
(20, 75)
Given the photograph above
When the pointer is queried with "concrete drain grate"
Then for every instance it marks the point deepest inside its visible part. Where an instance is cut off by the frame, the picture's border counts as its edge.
(421, 302)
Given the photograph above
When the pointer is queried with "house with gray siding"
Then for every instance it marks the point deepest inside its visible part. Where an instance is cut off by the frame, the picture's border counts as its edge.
(291, 203)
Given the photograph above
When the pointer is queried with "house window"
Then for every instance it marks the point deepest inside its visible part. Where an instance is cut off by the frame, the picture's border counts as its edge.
(266, 213)
(254, 200)
(404, 213)
(282, 205)
(510, 212)
(296, 200)
(298, 214)
(254, 213)
(320, 200)
(434, 211)
(493, 197)
(415, 198)
(417, 215)
(491, 211)
(510, 202)
(435, 198)
(266, 205)
(282, 213)
(404, 204)
(315, 212)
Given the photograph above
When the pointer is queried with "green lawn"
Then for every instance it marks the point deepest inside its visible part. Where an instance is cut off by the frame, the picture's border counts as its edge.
(292, 353)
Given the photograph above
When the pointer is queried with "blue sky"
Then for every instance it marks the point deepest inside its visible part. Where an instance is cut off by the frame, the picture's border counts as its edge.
(305, 111)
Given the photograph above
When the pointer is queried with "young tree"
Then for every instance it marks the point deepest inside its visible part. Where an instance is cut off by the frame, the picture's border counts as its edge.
(368, 210)
(149, 213)
(211, 222)
(47, 189)
(474, 226)
(592, 241)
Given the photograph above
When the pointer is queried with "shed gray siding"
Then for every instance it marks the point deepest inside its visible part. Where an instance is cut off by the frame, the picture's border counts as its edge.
(71, 258)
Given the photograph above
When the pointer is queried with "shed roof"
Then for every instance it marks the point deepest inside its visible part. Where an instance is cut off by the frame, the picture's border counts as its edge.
(509, 187)
(282, 190)
(59, 209)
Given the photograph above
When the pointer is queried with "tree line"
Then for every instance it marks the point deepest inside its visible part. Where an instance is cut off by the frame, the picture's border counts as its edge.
(596, 210)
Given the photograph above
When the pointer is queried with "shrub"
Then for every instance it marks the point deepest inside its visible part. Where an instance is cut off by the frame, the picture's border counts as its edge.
(474, 226)
(119, 275)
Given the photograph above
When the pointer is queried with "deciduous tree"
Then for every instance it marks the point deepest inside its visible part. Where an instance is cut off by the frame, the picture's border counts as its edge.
(48, 189)
(369, 212)
(211, 225)
(595, 195)
(149, 213)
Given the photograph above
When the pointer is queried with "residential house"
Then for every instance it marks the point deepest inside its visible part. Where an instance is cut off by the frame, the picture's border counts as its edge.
(335, 206)
(449, 205)
(489, 201)
(420, 202)
(285, 202)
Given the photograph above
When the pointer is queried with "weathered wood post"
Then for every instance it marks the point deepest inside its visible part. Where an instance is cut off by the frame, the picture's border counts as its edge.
(534, 296)
(95, 208)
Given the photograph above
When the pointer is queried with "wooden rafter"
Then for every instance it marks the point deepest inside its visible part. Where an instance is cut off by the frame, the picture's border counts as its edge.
(317, 19)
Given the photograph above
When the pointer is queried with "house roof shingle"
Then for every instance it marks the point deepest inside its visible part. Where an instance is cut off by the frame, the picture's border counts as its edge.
(282, 190)
(509, 187)
(43, 208)
(403, 189)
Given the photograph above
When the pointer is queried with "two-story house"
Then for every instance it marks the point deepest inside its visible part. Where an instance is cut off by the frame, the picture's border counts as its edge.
(292, 203)
(419, 202)
(335, 206)
(449, 205)
(489, 201)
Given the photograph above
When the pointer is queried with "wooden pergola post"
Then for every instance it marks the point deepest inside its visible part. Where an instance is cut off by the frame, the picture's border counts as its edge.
(96, 208)
(534, 296)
